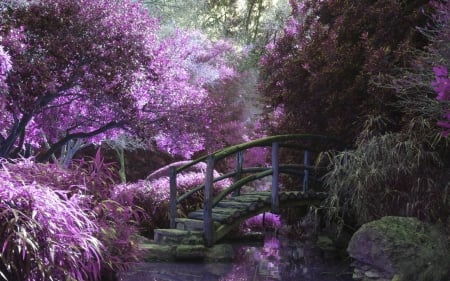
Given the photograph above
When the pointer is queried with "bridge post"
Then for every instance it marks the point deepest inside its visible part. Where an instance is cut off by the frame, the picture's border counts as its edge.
(306, 170)
(275, 208)
(207, 207)
(239, 161)
(173, 196)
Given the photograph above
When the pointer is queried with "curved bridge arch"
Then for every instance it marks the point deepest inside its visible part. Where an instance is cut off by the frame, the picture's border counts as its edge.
(218, 220)
(229, 213)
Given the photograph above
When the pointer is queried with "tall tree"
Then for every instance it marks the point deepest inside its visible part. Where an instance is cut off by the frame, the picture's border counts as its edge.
(319, 73)
(247, 22)
(95, 69)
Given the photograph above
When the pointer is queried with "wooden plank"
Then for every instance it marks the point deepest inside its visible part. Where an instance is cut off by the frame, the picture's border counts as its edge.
(227, 211)
(198, 215)
(259, 193)
(232, 204)
(283, 196)
(292, 195)
(255, 206)
(254, 198)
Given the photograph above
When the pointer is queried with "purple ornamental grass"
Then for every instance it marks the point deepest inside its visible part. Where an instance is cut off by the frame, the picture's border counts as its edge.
(89, 185)
(44, 234)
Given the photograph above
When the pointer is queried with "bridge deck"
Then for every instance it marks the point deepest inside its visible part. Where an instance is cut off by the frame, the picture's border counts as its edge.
(233, 209)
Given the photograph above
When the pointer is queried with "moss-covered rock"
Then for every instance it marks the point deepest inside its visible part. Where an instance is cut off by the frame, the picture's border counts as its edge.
(400, 247)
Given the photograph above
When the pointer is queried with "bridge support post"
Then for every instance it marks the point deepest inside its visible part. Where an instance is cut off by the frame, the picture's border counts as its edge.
(207, 207)
(173, 196)
(239, 161)
(306, 170)
(275, 206)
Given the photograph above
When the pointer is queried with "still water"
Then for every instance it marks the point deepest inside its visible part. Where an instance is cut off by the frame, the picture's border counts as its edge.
(274, 259)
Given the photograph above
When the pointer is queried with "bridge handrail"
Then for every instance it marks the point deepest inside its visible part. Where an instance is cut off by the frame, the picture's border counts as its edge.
(241, 182)
(263, 142)
(285, 168)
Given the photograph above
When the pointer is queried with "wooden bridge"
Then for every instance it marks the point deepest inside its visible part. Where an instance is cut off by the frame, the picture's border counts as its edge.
(223, 212)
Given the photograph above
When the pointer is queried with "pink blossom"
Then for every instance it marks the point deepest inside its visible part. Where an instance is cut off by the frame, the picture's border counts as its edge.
(291, 27)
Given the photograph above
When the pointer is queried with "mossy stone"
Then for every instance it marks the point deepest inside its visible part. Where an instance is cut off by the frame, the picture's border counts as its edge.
(404, 246)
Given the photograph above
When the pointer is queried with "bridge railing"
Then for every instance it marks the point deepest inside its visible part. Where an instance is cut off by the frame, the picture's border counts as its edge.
(307, 143)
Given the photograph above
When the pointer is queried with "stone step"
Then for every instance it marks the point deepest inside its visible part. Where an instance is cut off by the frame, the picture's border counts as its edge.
(178, 236)
(192, 224)
(153, 252)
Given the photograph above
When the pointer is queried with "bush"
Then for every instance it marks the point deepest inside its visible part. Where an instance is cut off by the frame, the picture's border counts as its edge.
(45, 234)
(318, 73)
(92, 181)
(387, 175)
(152, 196)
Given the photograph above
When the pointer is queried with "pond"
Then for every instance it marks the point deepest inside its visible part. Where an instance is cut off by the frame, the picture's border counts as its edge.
(274, 259)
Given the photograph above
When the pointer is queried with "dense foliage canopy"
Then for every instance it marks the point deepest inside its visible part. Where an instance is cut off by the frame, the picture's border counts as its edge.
(318, 73)
(96, 69)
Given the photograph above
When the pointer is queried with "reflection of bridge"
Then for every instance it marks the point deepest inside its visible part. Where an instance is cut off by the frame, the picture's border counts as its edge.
(223, 212)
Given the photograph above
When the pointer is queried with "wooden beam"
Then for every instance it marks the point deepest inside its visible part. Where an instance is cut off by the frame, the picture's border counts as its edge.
(238, 175)
(207, 206)
(306, 170)
(275, 207)
(173, 196)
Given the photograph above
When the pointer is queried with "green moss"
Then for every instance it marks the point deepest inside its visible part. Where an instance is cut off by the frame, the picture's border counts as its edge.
(418, 251)
(400, 228)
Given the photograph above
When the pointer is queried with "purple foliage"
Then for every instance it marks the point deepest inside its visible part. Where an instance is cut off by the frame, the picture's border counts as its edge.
(165, 89)
(442, 87)
(98, 68)
(152, 196)
(39, 226)
(328, 55)
(262, 222)
(113, 222)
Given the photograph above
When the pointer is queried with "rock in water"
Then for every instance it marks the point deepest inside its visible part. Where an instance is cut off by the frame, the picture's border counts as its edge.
(400, 248)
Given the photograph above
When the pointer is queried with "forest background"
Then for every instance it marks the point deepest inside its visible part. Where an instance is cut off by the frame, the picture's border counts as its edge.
(179, 79)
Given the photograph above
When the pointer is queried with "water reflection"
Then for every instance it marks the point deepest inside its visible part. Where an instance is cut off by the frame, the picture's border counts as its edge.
(275, 259)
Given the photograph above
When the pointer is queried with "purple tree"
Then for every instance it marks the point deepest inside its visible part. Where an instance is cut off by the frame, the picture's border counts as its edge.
(185, 107)
(319, 73)
(76, 64)
(90, 69)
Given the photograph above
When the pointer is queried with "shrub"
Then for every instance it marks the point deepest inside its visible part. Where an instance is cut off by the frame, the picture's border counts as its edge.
(386, 175)
(262, 222)
(113, 222)
(45, 234)
(152, 196)
(318, 72)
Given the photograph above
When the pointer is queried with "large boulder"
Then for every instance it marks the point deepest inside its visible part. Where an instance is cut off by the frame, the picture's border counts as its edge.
(400, 249)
